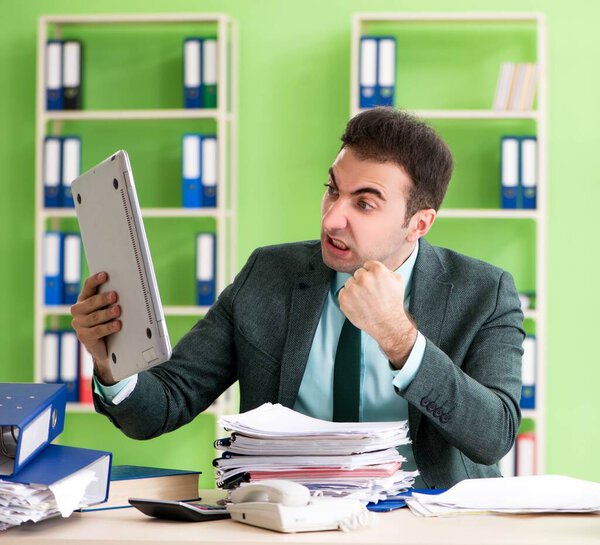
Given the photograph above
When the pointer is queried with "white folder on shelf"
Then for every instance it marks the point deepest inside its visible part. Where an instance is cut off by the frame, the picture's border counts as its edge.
(50, 356)
(71, 166)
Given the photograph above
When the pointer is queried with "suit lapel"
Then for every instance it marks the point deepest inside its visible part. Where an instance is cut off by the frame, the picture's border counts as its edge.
(428, 305)
(310, 290)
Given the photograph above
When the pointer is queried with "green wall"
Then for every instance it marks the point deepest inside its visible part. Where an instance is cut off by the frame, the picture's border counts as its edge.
(294, 102)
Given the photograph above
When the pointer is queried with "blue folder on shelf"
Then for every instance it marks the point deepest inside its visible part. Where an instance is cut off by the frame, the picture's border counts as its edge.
(386, 71)
(191, 170)
(71, 268)
(528, 172)
(368, 72)
(54, 71)
(53, 268)
(509, 172)
(52, 171)
(58, 463)
(192, 70)
(208, 179)
(32, 416)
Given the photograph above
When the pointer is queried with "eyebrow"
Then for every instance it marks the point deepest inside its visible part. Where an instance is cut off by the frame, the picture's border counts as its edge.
(360, 190)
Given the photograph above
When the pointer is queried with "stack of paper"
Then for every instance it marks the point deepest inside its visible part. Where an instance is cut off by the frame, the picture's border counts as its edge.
(58, 481)
(21, 503)
(514, 495)
(332, 458)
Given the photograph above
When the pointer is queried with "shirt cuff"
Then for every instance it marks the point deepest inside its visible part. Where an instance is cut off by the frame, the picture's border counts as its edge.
(117, 392)
(403, 377)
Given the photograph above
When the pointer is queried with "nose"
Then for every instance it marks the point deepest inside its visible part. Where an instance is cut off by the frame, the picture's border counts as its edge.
(333, 215)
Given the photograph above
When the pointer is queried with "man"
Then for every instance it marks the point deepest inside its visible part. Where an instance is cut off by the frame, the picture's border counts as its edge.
(450, 363)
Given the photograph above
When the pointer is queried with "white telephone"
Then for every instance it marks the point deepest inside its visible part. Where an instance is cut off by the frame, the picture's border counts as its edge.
(286, 506)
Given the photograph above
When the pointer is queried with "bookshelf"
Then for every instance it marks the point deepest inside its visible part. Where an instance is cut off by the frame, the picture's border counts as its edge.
(428, 50)
(160, 111)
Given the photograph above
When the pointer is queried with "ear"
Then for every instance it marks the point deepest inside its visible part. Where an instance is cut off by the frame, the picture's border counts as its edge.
(420, 223)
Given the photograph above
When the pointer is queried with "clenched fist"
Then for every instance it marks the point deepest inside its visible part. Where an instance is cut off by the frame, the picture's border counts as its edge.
(373, 300)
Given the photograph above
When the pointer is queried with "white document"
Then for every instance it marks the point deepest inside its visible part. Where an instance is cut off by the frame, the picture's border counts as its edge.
(533, 494)
(351, 461)
(270, 420)
(241, 444)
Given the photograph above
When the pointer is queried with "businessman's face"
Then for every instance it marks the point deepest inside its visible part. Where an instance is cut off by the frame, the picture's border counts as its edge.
(363, 212)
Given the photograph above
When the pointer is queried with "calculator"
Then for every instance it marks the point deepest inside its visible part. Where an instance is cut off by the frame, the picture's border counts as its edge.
(180, 510)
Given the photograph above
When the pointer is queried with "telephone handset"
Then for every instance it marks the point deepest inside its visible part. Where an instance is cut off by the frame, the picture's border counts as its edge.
(286, 506)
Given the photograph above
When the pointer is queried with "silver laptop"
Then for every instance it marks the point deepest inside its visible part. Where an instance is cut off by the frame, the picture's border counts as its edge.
(114, 240)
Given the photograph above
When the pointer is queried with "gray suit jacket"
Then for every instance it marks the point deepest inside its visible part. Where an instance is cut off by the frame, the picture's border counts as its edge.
(463, 403)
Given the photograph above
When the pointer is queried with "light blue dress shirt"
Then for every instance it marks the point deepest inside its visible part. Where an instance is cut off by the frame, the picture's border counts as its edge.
(379, 400)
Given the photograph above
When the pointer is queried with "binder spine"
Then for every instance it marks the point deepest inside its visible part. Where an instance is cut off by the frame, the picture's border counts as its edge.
(52, 172)
(54, 68)
(528, 373)
(368, 72)
(71, 167)
(209, 171)
(51, 356)
(529, 172)
(509, 172)
(72, 268)
(386, 71)
(69, 364)
(209, 73)
(205, 268)
(52, 259)
(71, 78)
(192, 70)
(191, 170)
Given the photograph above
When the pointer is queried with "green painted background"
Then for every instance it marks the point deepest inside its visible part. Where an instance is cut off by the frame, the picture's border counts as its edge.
(294, 102)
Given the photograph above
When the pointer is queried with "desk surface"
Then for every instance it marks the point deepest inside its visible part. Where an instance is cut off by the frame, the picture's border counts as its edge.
(129, 526)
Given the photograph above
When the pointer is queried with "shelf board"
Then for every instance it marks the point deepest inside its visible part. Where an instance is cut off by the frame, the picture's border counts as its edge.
(135, 18)
(487, 213)
(50, 213)
(442, 17)
(133, 115)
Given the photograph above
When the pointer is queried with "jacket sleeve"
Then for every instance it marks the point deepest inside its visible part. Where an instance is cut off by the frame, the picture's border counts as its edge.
(474, 403)
(202, 366)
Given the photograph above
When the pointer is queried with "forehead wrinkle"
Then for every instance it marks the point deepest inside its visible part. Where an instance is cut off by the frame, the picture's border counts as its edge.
(361, 190)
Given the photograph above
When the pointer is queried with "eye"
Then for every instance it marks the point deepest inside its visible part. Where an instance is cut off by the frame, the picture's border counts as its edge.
(331, 190)
(364, 205)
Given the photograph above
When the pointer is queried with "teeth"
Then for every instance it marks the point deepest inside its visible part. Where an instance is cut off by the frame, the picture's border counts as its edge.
(339, 244)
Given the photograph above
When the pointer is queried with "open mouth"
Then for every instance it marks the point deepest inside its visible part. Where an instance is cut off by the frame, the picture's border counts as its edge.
(337, 245)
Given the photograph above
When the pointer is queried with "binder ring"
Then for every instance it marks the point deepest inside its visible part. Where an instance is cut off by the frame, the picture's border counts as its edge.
(12, 443)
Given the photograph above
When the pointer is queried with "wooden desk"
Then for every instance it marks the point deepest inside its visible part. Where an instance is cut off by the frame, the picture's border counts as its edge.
(129, 526)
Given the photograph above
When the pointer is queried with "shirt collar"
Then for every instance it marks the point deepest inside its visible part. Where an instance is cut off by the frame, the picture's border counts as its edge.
(406, 270)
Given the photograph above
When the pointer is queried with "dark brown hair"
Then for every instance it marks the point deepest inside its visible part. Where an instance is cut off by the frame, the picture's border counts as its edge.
(385, 134)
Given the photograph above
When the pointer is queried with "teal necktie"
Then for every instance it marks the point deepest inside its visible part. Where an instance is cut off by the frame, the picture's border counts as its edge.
(346, 375)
